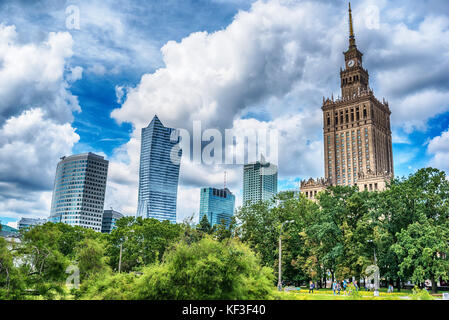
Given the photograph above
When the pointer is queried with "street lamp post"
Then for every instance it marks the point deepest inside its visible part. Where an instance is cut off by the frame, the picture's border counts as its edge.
(280, 255)
(120, 256)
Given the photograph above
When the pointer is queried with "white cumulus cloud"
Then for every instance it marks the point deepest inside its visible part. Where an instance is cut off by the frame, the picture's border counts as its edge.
(36, 108)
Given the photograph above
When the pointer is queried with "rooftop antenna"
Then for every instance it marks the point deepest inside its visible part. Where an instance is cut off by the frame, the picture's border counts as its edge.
(225, 179)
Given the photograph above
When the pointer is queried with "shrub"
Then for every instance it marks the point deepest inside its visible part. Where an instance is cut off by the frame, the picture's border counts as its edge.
(208, 269)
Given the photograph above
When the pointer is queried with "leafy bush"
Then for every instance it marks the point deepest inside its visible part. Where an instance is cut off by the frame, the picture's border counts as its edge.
(208, 269)
(421, 294)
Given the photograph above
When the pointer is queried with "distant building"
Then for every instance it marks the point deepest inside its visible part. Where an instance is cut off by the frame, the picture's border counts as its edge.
(8, 232)
(159, 172)
(217, 205)
(79, 190)
(110, 217)
(26, 223)
(260, 182)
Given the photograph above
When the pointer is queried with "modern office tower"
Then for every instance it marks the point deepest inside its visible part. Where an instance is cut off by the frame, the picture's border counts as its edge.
(357, 135)
(159, 172)
(79, 190)
(27, 223)
(217, 205)
(260, 182)
(110, 218)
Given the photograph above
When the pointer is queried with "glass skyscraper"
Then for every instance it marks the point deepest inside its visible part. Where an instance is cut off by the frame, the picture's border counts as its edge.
(159, 172)
(260, 182)
(110, 217)
(217, 205)
(79, 190)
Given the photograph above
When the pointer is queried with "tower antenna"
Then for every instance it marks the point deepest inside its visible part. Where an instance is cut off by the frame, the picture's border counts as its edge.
(351, 29)
(225, 179)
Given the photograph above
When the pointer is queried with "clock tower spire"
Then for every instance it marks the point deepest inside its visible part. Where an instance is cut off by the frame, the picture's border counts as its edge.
(351, 30)
(354, 78)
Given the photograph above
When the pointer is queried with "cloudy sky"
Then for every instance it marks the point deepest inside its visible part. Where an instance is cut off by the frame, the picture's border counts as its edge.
(228, 63)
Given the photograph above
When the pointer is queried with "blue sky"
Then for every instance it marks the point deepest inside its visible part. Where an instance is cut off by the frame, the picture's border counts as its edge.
(230, 64)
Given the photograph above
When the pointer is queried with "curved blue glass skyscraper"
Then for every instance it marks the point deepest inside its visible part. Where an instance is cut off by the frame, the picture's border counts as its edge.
(159, 172)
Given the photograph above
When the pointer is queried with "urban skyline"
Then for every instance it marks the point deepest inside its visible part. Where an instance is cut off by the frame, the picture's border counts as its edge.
(103, 109)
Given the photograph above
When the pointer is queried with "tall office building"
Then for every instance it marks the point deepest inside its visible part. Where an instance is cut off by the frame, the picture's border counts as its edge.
(159, 172)
(260, 182)
(79, 190)
(357, 135)
(110, 218)
(217, 205)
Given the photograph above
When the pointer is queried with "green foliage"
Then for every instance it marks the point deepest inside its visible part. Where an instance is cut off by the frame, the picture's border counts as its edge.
(208, 269)
(90, 255)
(222, 232)
(11, 281)
(260, 228)
(340, 233)
(406, 225)
(118, 286)
(204, 225)
(422, 249)
(421, 294)
(144, 241)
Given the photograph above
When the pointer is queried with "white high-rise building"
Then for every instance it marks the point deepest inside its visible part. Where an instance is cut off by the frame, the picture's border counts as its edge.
(260, 182)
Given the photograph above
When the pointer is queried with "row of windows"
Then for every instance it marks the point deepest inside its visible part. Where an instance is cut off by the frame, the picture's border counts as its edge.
(347, 115)
(350, 79)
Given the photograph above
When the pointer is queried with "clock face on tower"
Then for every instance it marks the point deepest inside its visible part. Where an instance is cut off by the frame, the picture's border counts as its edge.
(351, 63)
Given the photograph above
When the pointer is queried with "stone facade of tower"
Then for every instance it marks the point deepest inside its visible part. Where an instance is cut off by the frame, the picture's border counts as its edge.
(357, 136)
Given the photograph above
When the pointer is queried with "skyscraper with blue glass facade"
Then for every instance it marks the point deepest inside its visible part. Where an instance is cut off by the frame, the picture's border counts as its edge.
(217, 205)
(159, 172)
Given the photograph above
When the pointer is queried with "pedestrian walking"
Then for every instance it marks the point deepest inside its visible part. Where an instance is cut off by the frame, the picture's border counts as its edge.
(334, 287)
(390, 288)
(311, 286)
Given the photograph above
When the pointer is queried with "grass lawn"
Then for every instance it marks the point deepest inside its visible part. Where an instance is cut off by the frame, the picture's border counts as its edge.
(327, 294)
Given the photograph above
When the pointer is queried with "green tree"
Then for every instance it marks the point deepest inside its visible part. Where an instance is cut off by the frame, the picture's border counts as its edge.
(90, 255)
(143, 241)
(207, 269)
(328, 230)
(407, 200)
(12, 284)
(42, 264)
(204, 225)
(423, 249)
(260, 228)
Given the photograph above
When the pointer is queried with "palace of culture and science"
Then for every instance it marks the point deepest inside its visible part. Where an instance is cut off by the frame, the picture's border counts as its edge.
(357, 136)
